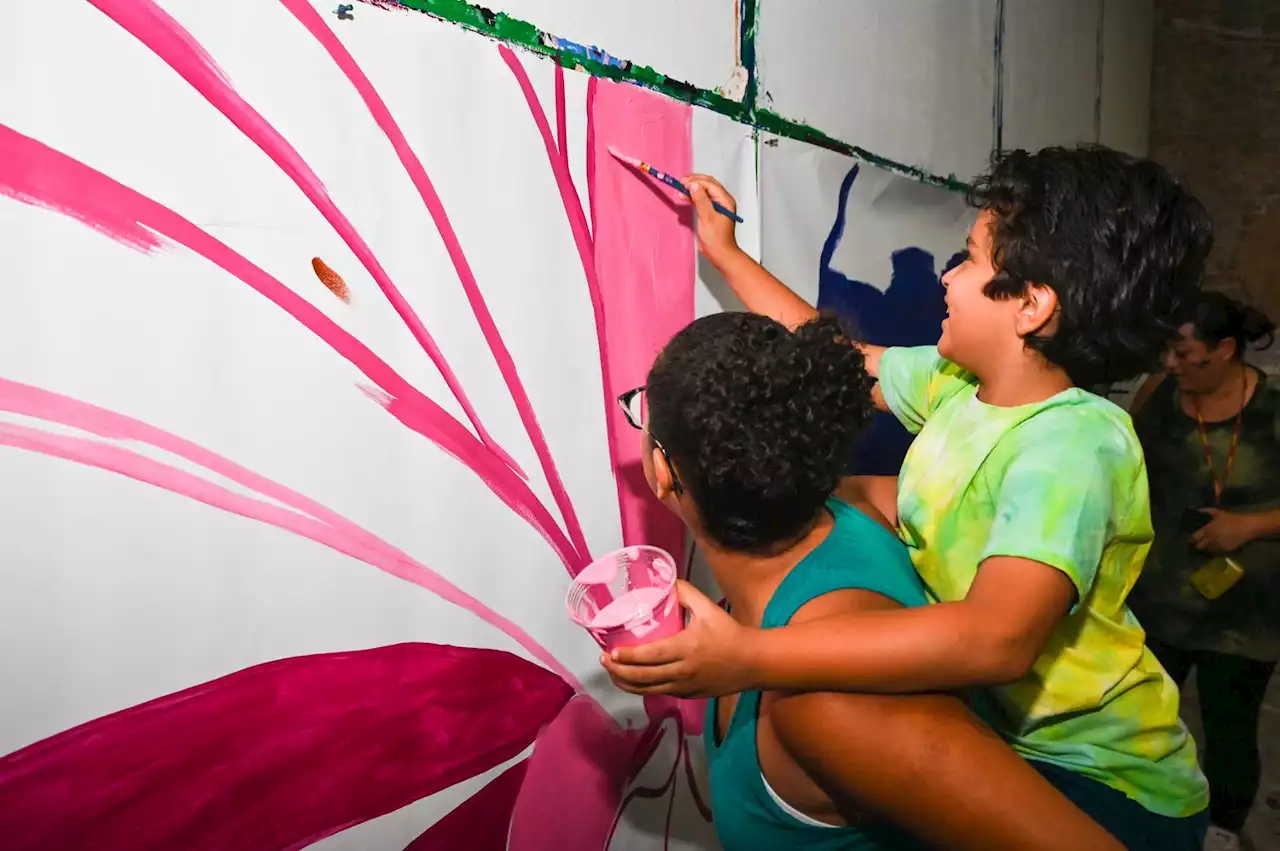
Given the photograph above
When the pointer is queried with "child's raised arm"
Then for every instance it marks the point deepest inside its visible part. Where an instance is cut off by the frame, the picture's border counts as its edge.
(758, 289)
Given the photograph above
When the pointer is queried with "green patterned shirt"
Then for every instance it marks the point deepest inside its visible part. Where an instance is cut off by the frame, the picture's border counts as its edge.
(1245, 621)
(1061, 482)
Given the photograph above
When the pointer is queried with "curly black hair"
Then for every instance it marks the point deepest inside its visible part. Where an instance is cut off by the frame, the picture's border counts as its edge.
(1120, 240)
(759, 422)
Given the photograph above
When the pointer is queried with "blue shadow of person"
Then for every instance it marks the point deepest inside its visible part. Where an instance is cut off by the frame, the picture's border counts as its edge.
(908, 313)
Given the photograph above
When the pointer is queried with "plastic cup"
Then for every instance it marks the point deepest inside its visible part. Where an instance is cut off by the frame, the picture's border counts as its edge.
(627, 597)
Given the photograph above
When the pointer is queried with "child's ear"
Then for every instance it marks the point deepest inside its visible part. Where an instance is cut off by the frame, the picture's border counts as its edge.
(1037, 309)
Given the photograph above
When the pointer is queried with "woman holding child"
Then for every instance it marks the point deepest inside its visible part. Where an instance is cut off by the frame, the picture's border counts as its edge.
(1023, 501)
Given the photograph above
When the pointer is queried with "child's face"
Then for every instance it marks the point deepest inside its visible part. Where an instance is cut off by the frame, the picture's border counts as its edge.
(975, 325)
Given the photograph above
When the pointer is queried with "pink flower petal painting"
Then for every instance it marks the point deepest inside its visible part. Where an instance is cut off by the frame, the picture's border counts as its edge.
(287, 568)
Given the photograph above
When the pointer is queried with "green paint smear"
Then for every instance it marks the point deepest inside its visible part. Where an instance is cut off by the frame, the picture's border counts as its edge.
(771, 122)
(525, 35)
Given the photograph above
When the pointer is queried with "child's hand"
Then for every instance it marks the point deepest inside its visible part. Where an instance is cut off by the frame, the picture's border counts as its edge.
(716, 239)
(709, 658)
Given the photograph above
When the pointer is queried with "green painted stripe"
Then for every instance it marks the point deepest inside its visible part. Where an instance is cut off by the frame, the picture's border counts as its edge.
(524, 35)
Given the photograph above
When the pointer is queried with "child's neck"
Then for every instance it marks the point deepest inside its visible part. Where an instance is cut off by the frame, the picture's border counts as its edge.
(1022, 381)
(749, 581)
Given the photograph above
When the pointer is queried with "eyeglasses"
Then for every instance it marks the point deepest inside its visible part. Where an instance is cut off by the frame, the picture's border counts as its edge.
(632, 403)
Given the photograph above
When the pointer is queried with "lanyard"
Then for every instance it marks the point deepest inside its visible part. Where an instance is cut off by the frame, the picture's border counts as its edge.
(1220, 484)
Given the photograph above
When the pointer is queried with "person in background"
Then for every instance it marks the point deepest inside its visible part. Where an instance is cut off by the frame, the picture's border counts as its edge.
(1209, 597)
(746, 428)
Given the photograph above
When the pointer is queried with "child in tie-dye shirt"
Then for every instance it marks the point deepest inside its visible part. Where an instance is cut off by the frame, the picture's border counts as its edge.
(1023, 499)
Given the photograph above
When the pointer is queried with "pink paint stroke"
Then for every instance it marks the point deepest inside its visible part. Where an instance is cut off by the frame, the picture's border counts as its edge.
(641, 279)
(165, 37)
(344, 537)
(647, 286)
(645, 259)
(480, 823)
(562, 118)
(703, 807)
(645, 264)
(593, 89)
(577, 220)
(584, 752)
(668, 787)
(34, 173)
(310, 18)
(671, 800)
(279, 755)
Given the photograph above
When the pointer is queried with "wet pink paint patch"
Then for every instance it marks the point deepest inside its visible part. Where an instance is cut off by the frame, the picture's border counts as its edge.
(645, 262)
(279, 755)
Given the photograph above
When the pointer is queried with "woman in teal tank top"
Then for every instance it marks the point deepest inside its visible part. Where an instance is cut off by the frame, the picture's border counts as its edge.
(747, 426)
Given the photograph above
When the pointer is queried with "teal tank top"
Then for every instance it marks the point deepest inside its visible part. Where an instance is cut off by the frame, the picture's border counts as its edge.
(858, 553)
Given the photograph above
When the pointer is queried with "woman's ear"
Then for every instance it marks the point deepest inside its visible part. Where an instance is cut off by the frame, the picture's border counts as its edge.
(663, 484)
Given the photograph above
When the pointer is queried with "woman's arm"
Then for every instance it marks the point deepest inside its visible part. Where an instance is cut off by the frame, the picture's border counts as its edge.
(924, 762)
(929, 765)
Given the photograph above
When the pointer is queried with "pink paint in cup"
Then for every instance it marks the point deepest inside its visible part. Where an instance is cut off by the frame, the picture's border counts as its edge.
(627, 597)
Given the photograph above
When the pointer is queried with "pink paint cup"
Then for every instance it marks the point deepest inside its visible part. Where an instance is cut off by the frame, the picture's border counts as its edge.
(627, 597)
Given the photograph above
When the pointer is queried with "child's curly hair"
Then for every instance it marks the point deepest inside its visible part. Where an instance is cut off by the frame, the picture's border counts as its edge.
(1119, 239)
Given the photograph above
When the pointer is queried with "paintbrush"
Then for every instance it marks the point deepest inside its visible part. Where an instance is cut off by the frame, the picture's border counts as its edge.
(663, 177)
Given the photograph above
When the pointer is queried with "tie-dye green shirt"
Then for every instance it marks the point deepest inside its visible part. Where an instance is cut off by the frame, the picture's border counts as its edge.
(1061, 482)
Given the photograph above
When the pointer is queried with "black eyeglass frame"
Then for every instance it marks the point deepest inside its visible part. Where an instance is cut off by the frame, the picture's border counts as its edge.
(625, 401)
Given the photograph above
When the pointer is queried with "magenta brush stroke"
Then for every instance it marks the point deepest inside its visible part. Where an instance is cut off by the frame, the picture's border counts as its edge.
(165, 37)
(636, 523)
(310, 18)
(480, 823)
(582, 235)
(582, 753)
(560, 169)
(651, 316)
(279, 755)
(346, 538)
(668, 785)
(34, 173)
(562, 118)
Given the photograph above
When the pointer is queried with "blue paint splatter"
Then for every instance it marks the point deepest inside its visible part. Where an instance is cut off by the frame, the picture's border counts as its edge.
(591, 52)
(908, 313)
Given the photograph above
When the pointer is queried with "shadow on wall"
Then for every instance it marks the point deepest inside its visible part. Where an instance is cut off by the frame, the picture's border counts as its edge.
(908, 313)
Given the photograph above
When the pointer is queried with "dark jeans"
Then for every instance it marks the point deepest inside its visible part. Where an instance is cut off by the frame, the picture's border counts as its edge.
(1231, 689)
(1136, 828)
